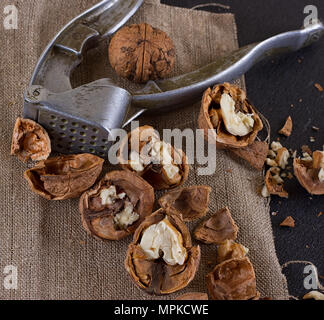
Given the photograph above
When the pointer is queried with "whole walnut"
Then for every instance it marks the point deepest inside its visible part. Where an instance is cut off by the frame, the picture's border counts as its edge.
(140, 53)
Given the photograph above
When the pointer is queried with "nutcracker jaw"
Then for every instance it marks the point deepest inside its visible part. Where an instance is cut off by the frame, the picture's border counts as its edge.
(81, 119)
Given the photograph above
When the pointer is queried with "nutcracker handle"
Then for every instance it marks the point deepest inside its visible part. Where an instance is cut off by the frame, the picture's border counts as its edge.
(170, 93)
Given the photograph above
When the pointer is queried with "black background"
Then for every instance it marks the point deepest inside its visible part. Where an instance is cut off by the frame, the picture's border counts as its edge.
(274, 86)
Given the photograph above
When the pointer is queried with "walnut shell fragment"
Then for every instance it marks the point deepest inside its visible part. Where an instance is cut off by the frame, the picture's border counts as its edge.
(230, 250)
(140, 53)
(154, 160)
(188, 203)
(190, 296)
(287, 128)
(255, 154)
(273, 186)
(232, 280)
(30, 141)
(64, 177)
(153, 273)
(309, 176)
(216, 229)
(228, 118)
(116, 206)
(288, 222)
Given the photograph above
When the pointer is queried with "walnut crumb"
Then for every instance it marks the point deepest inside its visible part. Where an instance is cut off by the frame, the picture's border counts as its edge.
(315, 128)
(318, 87)
(287, 128)
(288, 222)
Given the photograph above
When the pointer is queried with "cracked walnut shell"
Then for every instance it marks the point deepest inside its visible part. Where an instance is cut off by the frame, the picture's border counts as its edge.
(232, 280)
(189, 203)
(216, 229)
(228, 118)
(308, 174)
(116, 206)
(155, 161)
(255, 154)
(273, 186)
(230, 250)
(161, 274)
(64, 177)
(30, 141)
(140, 53)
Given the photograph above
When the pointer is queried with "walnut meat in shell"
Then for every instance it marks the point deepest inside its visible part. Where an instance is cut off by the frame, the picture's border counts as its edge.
(116, 206)
(232, 280)
(140, 53)
(155, 263)
(189, 203)
(216, 229)
(273, 186)
(309, 175)
(30, 141)
(228, 118)
(143, 153)
(64, 177)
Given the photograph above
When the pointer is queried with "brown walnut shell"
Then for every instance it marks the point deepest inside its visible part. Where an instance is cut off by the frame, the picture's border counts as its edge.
(308, 177)
(274, 187)
(64, 177)
(230, 250)
(30, 141)
(140, 53)
(189, 203)
(156, 276)
(190, 296)
(211, 122)
(287, 128)
(153, 174)
(216, 229)
(232, 280)
(98, 219)
(255, 154)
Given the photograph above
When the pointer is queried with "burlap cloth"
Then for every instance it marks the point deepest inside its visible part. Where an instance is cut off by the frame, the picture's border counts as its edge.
(56, 259)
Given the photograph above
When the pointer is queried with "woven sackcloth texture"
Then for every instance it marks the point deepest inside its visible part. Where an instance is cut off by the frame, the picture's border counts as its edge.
(54, 256)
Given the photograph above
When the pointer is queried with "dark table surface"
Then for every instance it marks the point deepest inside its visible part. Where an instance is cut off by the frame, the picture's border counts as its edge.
(274, 86)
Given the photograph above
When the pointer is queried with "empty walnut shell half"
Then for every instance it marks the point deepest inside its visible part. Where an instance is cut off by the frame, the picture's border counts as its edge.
(217, 228)
(189, 203)
(190, 296)
(64, 177)
(116, 206)
(140, 53)
(309, 174)
(230, 250)
(157, 162)
(228, 118)
(30, 141)
(161, 259)
(232, 280)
